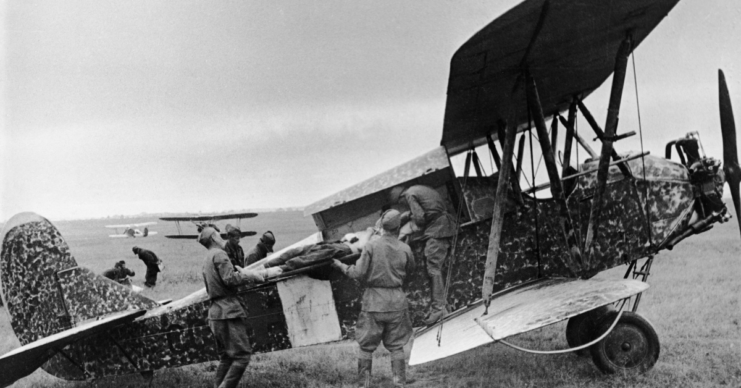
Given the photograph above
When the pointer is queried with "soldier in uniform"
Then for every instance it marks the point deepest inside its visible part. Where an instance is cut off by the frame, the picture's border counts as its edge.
(382, 268)
(227, 315)
(119, 273)
(233, 249)
(153, 265)
(261, 250)
(435, 227)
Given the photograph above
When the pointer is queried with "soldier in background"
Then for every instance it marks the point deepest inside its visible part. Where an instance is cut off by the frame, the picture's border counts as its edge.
(153, 263)
(232, 248)
(384, 317)
(226, 315)
(261, 250)
(119, 273)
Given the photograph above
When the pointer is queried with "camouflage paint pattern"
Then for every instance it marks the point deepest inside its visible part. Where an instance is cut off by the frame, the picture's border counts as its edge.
(177, 334)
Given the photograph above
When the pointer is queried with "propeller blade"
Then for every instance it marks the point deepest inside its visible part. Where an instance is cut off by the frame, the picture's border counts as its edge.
(730, 153)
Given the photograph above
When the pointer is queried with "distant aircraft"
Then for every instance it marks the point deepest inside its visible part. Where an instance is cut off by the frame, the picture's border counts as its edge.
(130, 230)
(208, 220)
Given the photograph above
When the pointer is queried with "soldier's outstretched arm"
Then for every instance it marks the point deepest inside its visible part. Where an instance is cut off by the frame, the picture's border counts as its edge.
(360, 268)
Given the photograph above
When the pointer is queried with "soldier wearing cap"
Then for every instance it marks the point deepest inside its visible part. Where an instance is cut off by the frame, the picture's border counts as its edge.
(232, 248)
(435, 227)
(384, 317)
(119, 273)
(261, 250)
(152, 262)
(227, 315)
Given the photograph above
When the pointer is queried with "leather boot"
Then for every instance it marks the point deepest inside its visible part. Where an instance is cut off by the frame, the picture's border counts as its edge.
(364, 373)
(438, 304)
(221, 372)
(398, 370)
(231, 380)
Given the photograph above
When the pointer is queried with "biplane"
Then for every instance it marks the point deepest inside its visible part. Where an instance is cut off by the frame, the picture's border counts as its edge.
(519, 261)
(208, 220)
(132, 230)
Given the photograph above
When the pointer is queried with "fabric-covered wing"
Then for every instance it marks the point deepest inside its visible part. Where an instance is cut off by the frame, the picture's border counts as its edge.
(23, 361)
(195, 236)
(211, 218)
(518, 310)
(567, 46)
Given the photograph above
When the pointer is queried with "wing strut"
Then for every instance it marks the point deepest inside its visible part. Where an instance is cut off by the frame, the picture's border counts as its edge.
(618, 79)
(569, 139)
(495, 234)
(556, 186)
(598, 131)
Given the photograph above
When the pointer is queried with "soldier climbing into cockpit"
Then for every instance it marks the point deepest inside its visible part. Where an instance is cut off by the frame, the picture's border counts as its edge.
(435, 227)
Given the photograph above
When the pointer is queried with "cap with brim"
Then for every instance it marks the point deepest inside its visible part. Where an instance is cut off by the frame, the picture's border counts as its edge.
(391, 220)
(205, 236)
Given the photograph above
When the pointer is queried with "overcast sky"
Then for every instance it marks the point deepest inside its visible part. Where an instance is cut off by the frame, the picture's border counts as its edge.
(182, 106)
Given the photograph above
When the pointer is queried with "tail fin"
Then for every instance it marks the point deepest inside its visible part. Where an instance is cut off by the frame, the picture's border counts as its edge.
(44, 290)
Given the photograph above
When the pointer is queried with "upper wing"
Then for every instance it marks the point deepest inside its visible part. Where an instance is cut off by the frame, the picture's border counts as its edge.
(23, 361)
(517, 310)
(195, 236)
(211, 217)
(143, 224)
(568, 47)
(120, 226)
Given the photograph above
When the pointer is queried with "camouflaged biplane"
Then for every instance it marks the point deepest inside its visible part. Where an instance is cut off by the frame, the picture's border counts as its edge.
(535, 257)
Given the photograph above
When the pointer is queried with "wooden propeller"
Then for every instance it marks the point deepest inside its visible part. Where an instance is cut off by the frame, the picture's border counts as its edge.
(730, 152)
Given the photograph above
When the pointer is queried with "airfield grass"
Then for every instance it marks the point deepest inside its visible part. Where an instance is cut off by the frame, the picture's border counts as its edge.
(693, 304)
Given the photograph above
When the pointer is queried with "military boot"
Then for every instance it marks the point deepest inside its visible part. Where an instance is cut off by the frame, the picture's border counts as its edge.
(221, 372)
(364, 373)
(231, 380)
(438, 304)
(398, 370)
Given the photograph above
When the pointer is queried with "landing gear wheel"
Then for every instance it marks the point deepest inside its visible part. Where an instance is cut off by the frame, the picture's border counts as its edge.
(580, 329)
(632, 347)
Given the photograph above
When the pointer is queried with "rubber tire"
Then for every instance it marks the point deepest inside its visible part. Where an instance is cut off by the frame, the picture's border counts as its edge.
(632, 347)
(581, 328)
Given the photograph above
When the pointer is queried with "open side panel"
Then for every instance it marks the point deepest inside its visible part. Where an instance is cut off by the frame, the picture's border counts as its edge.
(359, 207)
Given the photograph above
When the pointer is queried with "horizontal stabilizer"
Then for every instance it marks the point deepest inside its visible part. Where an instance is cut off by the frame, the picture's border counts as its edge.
(518, 310)
(23, 361)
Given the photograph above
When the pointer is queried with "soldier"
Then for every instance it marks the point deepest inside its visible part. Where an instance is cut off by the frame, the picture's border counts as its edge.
(227, 315)
(431, 221)
(233, 249)
(384, 317)
(153, 263)
(261, 250)
(119, 273)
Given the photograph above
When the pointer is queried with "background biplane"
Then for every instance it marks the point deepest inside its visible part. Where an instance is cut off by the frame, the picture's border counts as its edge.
(209, 220)
(132, 230)
(534, 256)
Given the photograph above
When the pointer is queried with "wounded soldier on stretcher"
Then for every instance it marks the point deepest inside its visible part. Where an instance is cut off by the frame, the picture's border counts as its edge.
(304, 256)
(293, 259)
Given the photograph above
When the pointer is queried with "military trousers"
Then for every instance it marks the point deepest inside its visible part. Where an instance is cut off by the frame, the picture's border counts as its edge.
(232, 342)
(436, 252)
(393, 328)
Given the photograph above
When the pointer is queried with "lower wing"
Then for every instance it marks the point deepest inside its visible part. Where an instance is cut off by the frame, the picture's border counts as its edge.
(517, 310)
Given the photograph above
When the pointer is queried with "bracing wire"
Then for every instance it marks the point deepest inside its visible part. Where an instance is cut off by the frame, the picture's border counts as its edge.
(451, 261)
(643, 157)
(561, 351)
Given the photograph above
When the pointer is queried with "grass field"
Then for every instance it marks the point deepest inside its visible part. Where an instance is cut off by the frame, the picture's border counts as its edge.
(693, 304)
